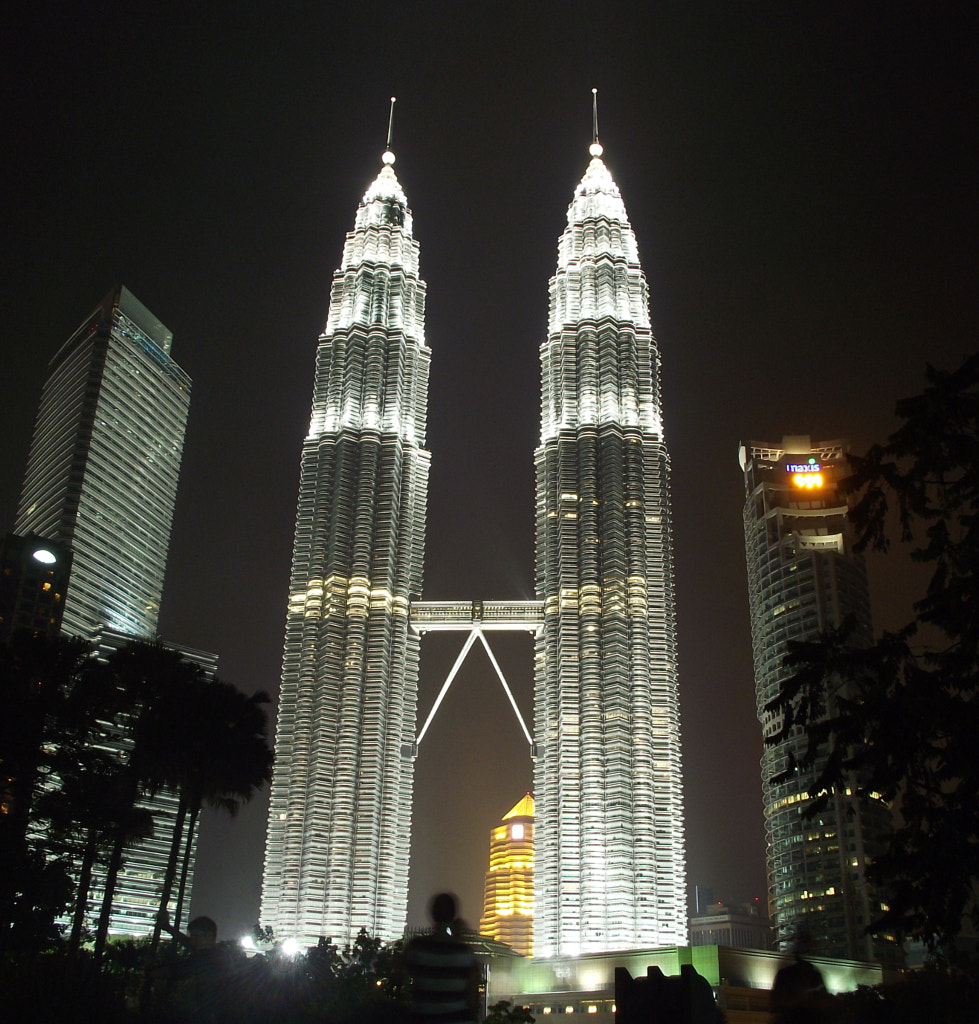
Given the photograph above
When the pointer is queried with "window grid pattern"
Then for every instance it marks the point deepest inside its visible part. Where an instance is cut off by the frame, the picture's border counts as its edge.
(804, 578)
(103, 468)
(609, 858)
(102, 479)
(339, 818)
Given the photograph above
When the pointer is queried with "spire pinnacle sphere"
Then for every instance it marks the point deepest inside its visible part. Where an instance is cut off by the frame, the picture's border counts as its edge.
(387, 158)
(595, 149)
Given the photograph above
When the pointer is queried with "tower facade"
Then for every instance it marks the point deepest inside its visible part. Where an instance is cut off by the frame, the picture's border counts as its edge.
(609, 857)
(340, 812)
(508, 892)
(805, 578)
(102, 482)
(104, 463)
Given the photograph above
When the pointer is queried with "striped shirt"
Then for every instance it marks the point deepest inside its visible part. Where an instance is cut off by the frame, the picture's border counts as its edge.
(444, 980)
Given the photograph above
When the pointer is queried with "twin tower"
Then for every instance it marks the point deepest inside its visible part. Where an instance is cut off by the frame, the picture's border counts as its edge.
(609, 856)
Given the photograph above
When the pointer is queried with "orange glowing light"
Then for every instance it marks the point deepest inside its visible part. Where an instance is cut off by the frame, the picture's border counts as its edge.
(808, 480)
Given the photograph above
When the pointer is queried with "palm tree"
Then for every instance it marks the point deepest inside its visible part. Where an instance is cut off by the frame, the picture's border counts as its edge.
(219, 756)
(38, 676)
(85, 817)
(136, 682)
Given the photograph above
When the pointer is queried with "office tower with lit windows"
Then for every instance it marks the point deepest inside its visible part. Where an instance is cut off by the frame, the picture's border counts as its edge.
(104, 462)
(508, 891)
(101, 481)
(609, 849)
(340, 812)
(804, 578)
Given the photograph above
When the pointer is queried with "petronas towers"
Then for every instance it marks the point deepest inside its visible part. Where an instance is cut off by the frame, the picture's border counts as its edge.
(609, 857)
(336, 856)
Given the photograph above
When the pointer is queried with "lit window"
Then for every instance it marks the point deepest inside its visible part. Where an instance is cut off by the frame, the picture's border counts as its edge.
(516, 832)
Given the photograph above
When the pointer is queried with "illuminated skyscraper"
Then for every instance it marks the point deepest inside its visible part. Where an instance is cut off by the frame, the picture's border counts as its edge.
(102, 481)
(340, 815)
(104, 463)
(508, 892)
(805, 578)
(609, 849)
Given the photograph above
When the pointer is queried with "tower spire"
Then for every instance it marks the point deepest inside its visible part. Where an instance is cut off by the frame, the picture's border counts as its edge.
(387, 157)
(596, 147)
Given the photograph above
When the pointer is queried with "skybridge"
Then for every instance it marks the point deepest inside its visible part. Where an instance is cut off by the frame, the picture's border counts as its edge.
(476, 618)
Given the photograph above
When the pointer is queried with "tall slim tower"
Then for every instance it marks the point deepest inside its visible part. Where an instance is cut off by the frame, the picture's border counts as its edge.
(102, 481)
(609, 858)
(805, 578)
(340, 815)
(104, 463)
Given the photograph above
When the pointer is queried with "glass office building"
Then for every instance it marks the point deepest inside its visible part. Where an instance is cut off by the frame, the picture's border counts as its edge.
(102, 481)
(104, 463)
(804, 578)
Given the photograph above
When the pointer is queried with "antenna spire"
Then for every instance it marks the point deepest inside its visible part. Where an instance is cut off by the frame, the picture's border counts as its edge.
(391, 121)
(596, 147)
(387, 157)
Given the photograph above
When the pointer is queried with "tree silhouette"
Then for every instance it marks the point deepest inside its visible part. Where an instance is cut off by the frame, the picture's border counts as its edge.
(38, 678)
(904, 714)
(133, 683)
(217, 753)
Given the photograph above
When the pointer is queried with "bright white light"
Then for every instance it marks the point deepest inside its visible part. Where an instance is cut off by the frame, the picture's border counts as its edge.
(248, 943)
(290, 948)
(45, 556)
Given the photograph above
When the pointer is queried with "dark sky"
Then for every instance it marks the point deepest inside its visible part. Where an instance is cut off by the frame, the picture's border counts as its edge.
(802, 182)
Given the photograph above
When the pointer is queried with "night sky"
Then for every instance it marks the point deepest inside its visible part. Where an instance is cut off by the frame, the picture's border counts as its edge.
(802, 182)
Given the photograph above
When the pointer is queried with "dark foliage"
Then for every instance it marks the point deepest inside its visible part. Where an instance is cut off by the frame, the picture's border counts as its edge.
(928, 995)
(505, 1012)
(901, 718)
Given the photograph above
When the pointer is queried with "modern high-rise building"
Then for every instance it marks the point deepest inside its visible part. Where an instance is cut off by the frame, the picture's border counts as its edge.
(609, 858)
(805, 578)
(104, 462)
(102, 481)
(609, 850)
(508, 891)
(340, 812)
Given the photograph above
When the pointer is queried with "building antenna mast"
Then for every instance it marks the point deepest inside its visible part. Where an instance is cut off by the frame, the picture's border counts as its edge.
(596, 147)
(391, 122)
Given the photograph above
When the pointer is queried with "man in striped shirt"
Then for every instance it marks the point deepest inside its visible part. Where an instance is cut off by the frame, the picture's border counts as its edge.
(444, 972)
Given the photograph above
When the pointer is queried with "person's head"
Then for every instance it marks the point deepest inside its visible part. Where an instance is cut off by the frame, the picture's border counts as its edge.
(443, 909)
(202, 932)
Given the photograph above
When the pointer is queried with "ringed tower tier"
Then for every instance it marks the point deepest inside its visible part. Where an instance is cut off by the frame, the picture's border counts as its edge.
(340, 812)
(609, 857)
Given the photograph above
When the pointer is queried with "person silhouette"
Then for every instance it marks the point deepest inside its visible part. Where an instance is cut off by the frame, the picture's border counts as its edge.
(799, 995)
(443, 970)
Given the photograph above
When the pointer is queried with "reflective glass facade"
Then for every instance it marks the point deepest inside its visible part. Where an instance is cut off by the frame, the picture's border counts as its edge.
(609, 850)
(805, 578)
(340, 812)
(102, 480)
(104, 462)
